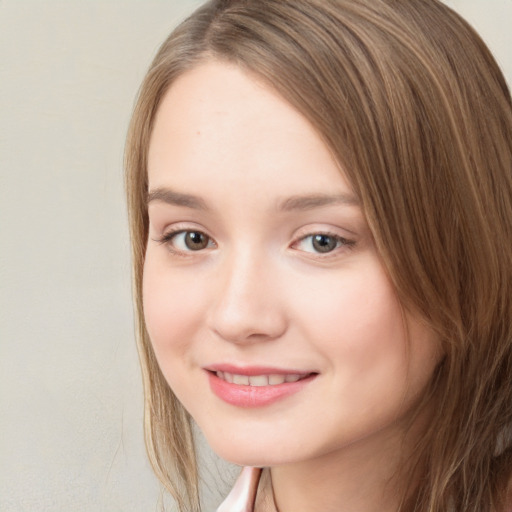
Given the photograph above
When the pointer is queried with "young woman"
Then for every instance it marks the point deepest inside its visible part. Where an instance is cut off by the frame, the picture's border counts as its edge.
(320, 197)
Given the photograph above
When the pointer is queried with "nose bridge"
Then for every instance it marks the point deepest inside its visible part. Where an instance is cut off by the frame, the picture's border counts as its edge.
(247, 306)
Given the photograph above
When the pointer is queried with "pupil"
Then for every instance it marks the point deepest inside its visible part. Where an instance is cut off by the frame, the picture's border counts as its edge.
(196, 241)
(324, 243)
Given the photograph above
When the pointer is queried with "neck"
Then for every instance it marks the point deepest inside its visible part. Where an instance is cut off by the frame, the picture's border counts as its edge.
(363, 477)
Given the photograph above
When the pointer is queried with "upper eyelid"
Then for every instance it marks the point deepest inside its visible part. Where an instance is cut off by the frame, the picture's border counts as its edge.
(344, 239)
(302, 234)
(178, 227)
(326, 229)
(170, 233)
(327, 232)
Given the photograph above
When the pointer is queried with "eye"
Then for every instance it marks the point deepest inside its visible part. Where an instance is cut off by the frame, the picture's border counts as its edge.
(186, 241)
(322, 243)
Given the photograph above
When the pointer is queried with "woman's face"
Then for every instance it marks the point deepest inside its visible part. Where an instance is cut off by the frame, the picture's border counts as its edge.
(267, 305)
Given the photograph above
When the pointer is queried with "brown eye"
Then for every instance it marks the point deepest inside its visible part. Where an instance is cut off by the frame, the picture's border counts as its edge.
(195, 240)
(187, 241)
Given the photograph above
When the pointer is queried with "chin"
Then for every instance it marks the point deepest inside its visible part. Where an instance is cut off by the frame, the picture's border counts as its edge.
(240, 453)
(242, 450)
(246, 457)
(250, 450)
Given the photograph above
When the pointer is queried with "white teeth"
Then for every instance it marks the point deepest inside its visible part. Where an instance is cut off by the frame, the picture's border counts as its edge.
(240, 379)
(276, 379)
(258, 380)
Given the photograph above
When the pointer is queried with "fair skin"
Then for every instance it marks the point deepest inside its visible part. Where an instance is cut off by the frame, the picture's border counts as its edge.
(260, 262)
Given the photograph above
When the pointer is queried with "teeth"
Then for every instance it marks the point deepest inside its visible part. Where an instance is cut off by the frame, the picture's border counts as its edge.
(258, 380)
(240, 379)
(276, 379)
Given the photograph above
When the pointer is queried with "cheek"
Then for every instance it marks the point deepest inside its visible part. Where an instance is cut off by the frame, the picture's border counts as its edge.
(354, 317)
(173, 307)
(170, 310)
(356, 323)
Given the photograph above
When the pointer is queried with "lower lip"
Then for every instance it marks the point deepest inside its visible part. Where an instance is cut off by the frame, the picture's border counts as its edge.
(254, 396)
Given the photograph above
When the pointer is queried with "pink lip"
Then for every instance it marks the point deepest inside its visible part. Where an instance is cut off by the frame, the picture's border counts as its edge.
(254, 396)
(253, 370)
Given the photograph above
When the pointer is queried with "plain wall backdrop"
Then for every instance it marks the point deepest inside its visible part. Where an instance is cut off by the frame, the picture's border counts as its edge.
(70, 388)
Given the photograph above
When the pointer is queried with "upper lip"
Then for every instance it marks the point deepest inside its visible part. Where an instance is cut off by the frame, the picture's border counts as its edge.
(251, 371)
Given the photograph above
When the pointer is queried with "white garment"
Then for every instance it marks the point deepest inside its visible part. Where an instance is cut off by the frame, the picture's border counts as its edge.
(243, 495)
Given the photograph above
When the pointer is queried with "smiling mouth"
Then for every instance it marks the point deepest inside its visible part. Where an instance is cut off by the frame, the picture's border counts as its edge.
(260, 380)
(256, 387)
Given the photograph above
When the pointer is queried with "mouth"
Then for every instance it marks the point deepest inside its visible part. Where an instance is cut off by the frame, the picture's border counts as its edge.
(256, 387)
(273, 379)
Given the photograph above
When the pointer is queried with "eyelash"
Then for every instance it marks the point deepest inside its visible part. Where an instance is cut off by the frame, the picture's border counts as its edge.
(168, 237)
(341, 242)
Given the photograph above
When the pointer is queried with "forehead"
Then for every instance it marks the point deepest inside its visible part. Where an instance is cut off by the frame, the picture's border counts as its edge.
(219, 122)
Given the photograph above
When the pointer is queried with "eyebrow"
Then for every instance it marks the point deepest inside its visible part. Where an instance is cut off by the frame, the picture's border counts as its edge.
(312, 201)
(166, 195)
(289, 204)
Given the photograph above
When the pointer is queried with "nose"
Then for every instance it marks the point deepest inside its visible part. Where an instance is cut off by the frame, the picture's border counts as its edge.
(246, 307)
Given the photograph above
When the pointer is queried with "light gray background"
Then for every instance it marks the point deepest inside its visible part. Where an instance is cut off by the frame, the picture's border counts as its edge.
(70, 392)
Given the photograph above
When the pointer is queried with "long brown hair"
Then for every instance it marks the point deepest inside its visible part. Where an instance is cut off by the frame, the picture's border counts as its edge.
(416, 111)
